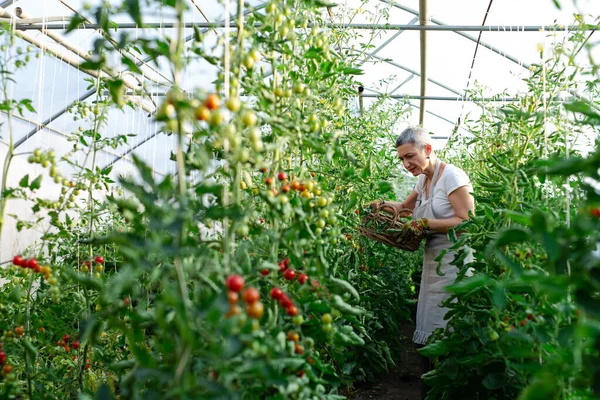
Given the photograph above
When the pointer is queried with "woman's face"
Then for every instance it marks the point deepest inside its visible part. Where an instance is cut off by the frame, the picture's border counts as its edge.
(414, 159)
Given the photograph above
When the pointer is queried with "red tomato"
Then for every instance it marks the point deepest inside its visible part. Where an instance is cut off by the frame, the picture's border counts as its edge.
(285, 188)
(289, 274)
(7, 369)
(75, 345)
(302, 278)
(264, 272)
(269, 181)
(301, 373)
(285, 302)
(66, 338)
(286, 262)
(251, 295)
(99, 259)
(282, 176)
(32, 263)
(212, 102)
(595, 212)
(19, 261)
(282, 267)
(19, 331)
(292, 311)
(255, 310)
(298, 349)
(235, 283)
(276, 294)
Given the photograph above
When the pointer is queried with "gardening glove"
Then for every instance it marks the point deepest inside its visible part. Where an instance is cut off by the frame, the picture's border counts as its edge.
(416, 227)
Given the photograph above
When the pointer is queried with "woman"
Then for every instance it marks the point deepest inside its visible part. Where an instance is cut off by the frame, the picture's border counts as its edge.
(440, 200)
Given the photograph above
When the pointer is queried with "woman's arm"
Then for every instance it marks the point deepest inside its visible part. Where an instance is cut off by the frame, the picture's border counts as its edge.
(409, 203)
(462, 202)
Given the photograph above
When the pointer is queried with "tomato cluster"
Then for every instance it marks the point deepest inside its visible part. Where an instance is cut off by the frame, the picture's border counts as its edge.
(251, 296)
(33, 264)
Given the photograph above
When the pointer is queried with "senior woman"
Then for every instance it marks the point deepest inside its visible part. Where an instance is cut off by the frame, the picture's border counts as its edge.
(440, 200)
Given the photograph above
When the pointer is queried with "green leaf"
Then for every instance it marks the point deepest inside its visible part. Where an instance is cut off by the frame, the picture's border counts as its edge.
(133, 7)
(471, 283)
(435, 349)
(352, 71)
(36, 184)
(24, 182)
(509, 236)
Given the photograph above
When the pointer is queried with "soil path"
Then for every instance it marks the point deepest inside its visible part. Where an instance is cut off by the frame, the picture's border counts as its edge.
(402, 383)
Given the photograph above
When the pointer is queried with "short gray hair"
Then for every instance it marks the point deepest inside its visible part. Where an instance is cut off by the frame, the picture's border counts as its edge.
(413, 135)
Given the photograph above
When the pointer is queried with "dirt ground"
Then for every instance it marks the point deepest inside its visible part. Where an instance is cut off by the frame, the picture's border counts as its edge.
(402, 383)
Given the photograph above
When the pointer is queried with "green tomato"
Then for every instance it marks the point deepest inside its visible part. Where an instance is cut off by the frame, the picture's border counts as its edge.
(326, 319)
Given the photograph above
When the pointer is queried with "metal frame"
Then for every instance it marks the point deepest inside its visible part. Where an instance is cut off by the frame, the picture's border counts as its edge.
(467, 36)
(379, 94)
(473, 99)
(358, 26)
(409, 70)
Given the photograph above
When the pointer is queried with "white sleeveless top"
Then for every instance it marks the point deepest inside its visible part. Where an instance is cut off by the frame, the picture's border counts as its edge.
(452, 178)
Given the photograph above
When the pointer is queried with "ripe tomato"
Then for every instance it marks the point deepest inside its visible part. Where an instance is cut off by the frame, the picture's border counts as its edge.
(263, 170)
(126, 301)
(18, 261)
(201, 113)
(32, 263)
(298, 349)
(530, 317)
(19, 331)
(296, 185)
(302, 278)
(212, 102)
(293, 336)
(286, 262)
(7, 369)
(255, 310)
(66, 338)
(595, 212)
(235, 283)
(289, 274)
(292, 311)
(285, 302)
(251, 295)
(99, 259)
(301, 373)
(282, 176)
(269, 181)
(233, 310)
(75, 345)
(282, 266)
(523, 322)
(264, 272)
(285, 188)
(232, 297)
(276, 293)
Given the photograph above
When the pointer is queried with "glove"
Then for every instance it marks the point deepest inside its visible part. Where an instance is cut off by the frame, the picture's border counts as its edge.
(415, 227)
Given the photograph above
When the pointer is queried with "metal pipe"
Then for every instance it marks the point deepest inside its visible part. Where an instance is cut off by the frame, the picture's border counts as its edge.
(409, 70)
(423, 36)
(465, 35)
(382, 46)
(358, 26)
(472, 99)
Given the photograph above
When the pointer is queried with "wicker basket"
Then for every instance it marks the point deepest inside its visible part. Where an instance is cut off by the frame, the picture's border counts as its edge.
(384, 224)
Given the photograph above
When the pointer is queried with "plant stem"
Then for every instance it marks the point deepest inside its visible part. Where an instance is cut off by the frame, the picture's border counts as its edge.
(27, 319)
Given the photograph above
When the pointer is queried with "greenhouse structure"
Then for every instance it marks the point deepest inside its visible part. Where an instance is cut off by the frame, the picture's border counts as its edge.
(299, 199)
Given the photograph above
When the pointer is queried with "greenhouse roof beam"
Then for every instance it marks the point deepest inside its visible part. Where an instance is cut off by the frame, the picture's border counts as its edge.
(409, 70)
(358, 26)
(380, 94)
(63, 134)
(384, 44)
(465, 35)
(7, 3)
(472, 99)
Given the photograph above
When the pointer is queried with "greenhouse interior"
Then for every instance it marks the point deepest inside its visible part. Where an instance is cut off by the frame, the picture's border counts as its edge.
(299, 199)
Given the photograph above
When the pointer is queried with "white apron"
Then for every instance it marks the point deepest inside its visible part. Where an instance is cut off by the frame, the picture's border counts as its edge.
(430, 315)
